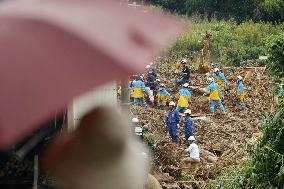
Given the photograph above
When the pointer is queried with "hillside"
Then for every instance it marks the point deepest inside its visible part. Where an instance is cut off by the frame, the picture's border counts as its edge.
(226, 138)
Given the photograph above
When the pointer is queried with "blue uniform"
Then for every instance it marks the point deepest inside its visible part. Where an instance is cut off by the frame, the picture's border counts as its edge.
(172, 119)
(151, 78)
(241, 93)
(188, 128)
(214, 91)
(185, 76)
(138, 88)
(184, 99)
(163, 97)
(221, 81)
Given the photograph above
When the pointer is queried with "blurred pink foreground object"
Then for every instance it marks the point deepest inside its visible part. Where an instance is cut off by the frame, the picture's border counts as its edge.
(55, 50)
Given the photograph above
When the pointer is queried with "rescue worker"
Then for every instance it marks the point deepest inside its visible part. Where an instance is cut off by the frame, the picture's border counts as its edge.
(214, 95)
(184, 98)
(137, 129)
(151, 76)
(151, 71)
(193, 150)
(131, 83)
(221, 81)
(240, 92)
(188, 126)
(172, 121)
(185, 73)
(278, 98)
(163, 96)
(138, 89)
(156, 90)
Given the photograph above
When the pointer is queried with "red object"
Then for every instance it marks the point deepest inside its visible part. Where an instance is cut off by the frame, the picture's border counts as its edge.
(55, 50)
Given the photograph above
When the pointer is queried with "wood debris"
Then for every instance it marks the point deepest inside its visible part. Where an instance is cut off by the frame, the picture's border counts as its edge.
(222, 137)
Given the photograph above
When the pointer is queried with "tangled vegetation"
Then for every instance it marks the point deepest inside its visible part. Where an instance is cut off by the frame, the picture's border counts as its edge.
(231, 43)
(239, 10)
(266, 168)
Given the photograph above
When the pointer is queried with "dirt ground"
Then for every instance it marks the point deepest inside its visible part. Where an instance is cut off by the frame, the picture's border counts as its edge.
(223, 139)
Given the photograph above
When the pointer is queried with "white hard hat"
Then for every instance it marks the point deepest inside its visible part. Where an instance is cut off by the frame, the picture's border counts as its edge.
(240, 77)
(187, 111)
(172, 103)
(191, 138)
(158, 80)
(162, 85)
(148, 66)
(135, 120)
(216, 69)
(183, 61)
(210, 79)
(185, 85)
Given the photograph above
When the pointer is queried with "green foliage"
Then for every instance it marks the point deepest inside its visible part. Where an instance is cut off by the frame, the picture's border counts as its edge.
(229, 178)
(239, 10)
(267, 165)
(276, 58)
(231, 42)
(171, 5)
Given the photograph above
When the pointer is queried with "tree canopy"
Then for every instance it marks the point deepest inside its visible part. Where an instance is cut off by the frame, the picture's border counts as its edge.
(240, 10)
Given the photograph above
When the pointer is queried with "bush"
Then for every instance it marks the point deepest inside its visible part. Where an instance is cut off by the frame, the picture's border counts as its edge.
(231, 43)
(267, 165)
(276, 52)
(239, 10)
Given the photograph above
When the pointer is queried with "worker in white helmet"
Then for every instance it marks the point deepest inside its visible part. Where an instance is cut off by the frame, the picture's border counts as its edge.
(185, 73)
(137, 128)
(163, 96)
(150, 82)
(221, 81)
(184, 98)
(240, 92)
(214, 95)
(188, 126)
(139, 88)
(172, 121)
(193, 150)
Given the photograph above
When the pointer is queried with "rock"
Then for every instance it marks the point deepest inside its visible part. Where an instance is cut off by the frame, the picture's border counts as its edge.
(170, 186)
(185, 186)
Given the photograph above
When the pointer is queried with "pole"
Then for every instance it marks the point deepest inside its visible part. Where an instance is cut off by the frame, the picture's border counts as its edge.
(36, 172)
(125, 97)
